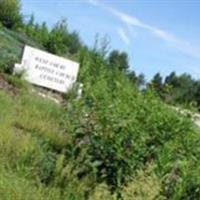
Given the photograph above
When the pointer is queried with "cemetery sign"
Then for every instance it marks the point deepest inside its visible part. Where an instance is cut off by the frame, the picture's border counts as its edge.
(48, 70)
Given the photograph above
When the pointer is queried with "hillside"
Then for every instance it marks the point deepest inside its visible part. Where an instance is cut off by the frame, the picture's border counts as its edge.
(114, 143)
(11, 43)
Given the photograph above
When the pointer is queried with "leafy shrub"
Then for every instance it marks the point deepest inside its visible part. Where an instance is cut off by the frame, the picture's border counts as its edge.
(178, 165)
(61, 41)
(10, 13)
(101, 192)
(144, 186)
(7, 64)
(46, 167)
(115, 129)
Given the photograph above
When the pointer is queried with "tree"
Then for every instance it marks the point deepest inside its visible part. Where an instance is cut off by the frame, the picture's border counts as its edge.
(132, 76)
(43, 35)
(197, 93)
(157, 81)
(57, 38)
(31, 21)
(10, 13)
(61, 41)
(186, 84)
(183, 89)
(30, 27)
(118, 60)
(157, 84)
(140, 80)
(73, 43)
(171, 79)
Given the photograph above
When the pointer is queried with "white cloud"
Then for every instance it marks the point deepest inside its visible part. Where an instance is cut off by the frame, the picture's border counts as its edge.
(165, 35)
(129, 20)
(124, 36)
(133, 21)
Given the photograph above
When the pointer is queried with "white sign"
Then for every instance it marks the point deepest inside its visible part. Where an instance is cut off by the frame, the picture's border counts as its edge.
(47, 70)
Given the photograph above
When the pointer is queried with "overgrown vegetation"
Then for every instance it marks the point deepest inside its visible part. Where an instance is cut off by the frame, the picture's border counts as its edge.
(116, 142)
(10, 15)
(178, 89)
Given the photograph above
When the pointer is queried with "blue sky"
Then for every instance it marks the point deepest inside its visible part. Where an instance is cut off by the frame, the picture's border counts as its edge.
(158, 35)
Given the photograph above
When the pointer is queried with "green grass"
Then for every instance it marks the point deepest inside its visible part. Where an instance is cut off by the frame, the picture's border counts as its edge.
(29, 125)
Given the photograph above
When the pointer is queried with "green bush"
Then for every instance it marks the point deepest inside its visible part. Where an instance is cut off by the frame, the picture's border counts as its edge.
(10, 13)
(145, 185)
(46, 167)
(7, 64)
(117, 130)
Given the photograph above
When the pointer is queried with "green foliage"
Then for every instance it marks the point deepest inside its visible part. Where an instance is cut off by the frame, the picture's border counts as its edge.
(141, 80)
(10, 13)
(38, 32)
(11, 46)
(145, 185)
(61, 41)
(100, 146)
(116, 130)
(118, 60)
(46, 167)
(16, 81)
(58, 40)
(157, 82)
(15, 187)
(138, 81)
(73, 43)
(101, 192)
(7, 64)
(58, 36)
(176, 89)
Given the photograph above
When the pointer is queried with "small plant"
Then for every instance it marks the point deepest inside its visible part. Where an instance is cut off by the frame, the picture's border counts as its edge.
(7, 64)
(145, 185)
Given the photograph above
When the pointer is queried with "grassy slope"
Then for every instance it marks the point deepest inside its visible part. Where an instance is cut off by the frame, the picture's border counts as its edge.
(11, 44)
(26, 122)
(35, 135)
